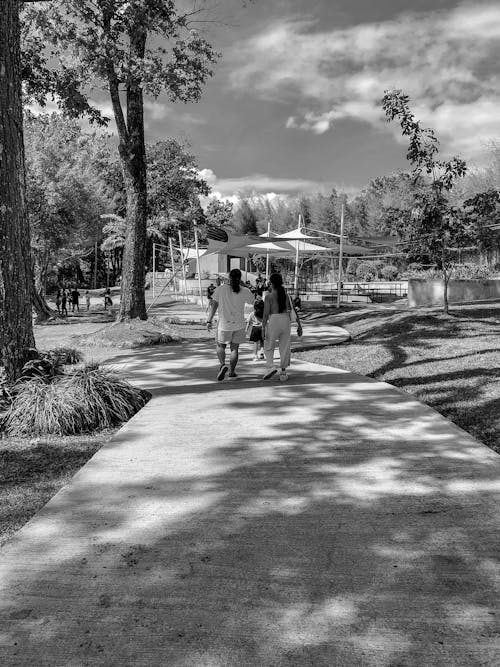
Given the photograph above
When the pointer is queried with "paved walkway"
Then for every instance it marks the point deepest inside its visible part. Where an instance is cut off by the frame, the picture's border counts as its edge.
(328, 521)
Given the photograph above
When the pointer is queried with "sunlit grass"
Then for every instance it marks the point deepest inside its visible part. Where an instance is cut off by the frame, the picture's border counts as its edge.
(452, 363)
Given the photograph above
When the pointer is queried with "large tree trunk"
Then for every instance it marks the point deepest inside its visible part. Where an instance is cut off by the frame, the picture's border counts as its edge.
(16, 328)
(133, 154)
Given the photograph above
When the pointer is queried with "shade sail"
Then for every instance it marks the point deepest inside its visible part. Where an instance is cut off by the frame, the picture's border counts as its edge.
(295, 234)
(278, 248)
(282, 245)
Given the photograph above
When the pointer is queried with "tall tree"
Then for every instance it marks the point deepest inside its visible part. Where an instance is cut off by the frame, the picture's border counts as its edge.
(245, 218)
(435, 227)
(16, 329)
(66, 189)
(137, 48)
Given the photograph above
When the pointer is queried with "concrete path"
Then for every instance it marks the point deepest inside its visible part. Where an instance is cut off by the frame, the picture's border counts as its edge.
(328, 521)
(316, 333)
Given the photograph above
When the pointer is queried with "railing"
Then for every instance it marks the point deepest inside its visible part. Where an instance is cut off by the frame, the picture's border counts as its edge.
(376, 291)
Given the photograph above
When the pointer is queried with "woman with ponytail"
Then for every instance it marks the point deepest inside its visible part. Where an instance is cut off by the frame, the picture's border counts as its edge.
(277, 325)
(230, 301)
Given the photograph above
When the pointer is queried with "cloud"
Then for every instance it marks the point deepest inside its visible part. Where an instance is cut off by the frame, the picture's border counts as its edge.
(156, 110)
(445, 60)
(262, 186)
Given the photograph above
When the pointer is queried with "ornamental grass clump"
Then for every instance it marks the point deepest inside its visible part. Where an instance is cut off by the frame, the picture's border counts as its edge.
(87, 400)
(113, 400)
(41, 408)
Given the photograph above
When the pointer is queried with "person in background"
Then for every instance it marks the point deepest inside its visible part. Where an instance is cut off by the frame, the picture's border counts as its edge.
(229, 300)
(108, 301)
(254, 325)
(58, 300)
(87, 299)
(64, 301)
(276, 326)
(75, 299)
(297, 302)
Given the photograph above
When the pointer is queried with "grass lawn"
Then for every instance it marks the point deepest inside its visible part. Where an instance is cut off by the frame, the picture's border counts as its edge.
(32, 471)
(451, 363)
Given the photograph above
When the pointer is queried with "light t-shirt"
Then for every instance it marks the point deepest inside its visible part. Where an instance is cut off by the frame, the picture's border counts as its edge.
(232, 307)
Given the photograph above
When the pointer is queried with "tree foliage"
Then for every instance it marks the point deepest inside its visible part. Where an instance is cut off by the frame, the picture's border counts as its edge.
(434, 228)
(136, 48)
(67, 189)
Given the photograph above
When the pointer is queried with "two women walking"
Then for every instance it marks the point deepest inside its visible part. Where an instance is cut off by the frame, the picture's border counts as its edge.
(230, 301)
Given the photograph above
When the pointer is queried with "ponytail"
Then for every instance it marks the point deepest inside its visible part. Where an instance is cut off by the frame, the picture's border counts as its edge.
(277, 282)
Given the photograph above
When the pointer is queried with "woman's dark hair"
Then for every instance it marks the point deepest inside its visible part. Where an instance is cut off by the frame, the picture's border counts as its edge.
(277, 282)
(235, 279)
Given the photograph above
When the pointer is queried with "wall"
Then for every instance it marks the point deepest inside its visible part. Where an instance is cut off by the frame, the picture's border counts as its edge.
(422, 292)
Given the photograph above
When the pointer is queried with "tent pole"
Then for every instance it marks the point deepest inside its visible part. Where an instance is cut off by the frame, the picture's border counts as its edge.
(341, 248)
(183, 266)
(267, 251)
(296, 276)
(198, 262)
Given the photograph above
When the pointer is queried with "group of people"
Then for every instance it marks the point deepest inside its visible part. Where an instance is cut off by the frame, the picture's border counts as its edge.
(71, 297)
(268, 325)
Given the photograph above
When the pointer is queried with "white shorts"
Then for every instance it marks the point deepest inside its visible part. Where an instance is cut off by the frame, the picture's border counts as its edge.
(237, 337)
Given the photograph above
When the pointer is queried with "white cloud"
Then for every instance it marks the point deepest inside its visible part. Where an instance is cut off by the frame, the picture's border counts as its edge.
(445, 60)
(269, 185)
(262, 186)
(208, 176)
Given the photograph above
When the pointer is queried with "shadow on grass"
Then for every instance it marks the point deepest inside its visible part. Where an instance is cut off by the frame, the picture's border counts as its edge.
(329, 521)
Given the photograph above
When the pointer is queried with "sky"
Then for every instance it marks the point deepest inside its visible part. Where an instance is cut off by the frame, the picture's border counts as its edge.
(294, 105)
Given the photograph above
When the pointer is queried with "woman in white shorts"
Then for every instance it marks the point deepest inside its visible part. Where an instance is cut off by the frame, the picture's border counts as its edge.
(276, 327)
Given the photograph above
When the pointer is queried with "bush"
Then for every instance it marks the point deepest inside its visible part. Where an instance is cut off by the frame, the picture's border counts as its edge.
(366, 271)
(389, 272)
(89, 399)
(472, 271)
(352, 265)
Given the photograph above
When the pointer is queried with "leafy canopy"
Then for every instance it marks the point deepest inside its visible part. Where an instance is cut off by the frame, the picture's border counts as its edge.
(96, 40)
(434, 227)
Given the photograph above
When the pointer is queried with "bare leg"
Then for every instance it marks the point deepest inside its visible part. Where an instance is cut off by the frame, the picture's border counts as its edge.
(221, 353)
(233, 359)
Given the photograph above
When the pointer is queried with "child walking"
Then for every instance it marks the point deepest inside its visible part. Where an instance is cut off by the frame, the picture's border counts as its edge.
(254, 324)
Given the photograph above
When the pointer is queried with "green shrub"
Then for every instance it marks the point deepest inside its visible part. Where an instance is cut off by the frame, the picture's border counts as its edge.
(389, 272)
(87, 400)
(472, 271)
(366, 271)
